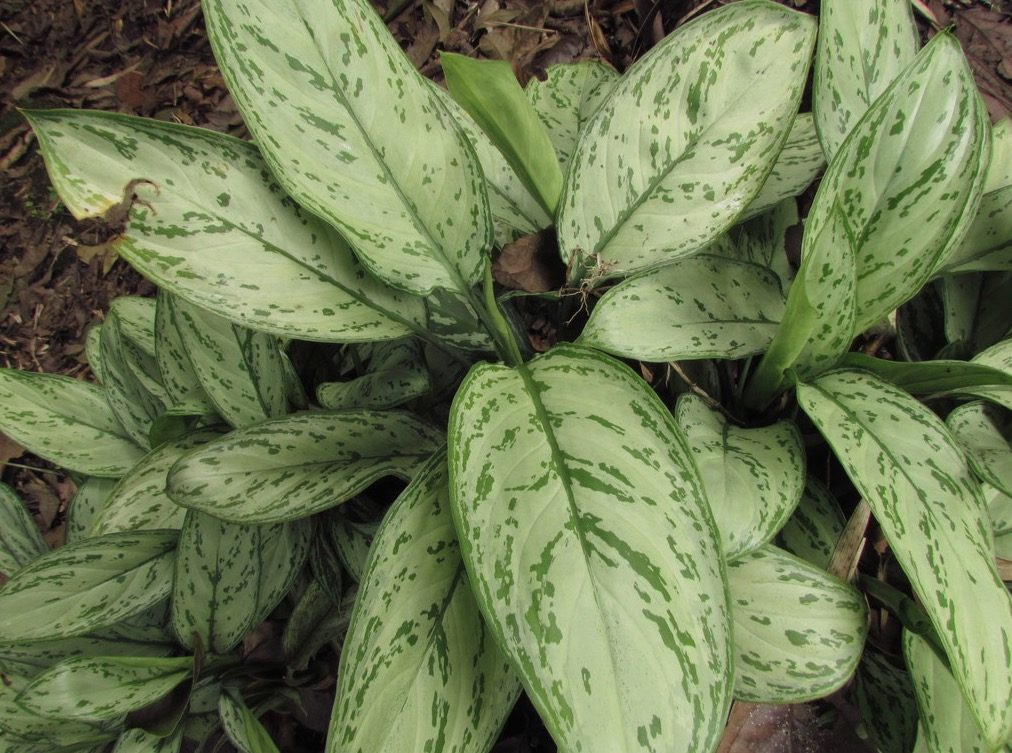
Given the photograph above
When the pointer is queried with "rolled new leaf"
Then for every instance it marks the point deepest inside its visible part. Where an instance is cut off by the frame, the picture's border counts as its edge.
(264, 247)
(799, 632)
(66, 421)
(292, 467)
(592, 553)
(87, 586)
(359, 137)
(915, 478)
(685, 140)
(419, 668)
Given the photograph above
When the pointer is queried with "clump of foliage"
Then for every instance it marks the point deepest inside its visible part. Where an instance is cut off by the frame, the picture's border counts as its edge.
(633, 548)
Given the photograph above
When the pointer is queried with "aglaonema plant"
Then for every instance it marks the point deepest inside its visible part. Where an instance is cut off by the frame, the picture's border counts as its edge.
(635, 549)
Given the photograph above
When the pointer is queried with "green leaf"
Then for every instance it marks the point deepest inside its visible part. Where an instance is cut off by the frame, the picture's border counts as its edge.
(258, 257)
(946, 723)
(815, 527)
(95, 689)
(136, 317)
(419, 669)
(988, 241)
(182, 386)
(139, 501)
(91, 497)
(239, 369)
(589, 546)
(93, 351)
(706, 306)
(686, 139)
(21, 541)
(489, 92)
(23, 731)
(138, 741)
(358, 137)
(351, 542)
(310, 615)
(998, 356)
(395, 375)
(999, 171)
(33, 657)
(929, 377)
(863, 47)
(800, 161)
(885, 698)
(982, 432)
(798, 631)
(905, 463)
(86, 586)
(999, 509)
(295, 466)
(763, 240)
(65, 421)
(753, 477)
(229, 575)
(566, 100)
(976, 310)
(242, 727)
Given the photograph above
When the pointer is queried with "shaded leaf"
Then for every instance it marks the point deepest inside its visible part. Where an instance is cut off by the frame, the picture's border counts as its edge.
(20, 539)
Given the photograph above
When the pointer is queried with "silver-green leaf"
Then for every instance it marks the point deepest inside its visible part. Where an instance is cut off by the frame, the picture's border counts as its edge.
(20, 539)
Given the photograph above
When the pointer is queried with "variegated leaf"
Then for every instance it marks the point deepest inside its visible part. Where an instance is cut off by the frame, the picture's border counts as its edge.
(982, 432)
(987, 245)
(136, 317)
(419, 669)
(909, 178)
(514, 211)
(23, 731)
(863, 47)
(355, 134)
(65, 421)
(800, 161)
(490, 93)
(395, 375)
(263, 245)
(947, 725)
(686, 139)
(312, 610)
(351, 542)
(999, 171)
(295, 466)
(95, 689)
(89, 499)
(86, 586)
(242, 727)
(753, 477)
(137, 740)
(961, 299)
(21, 541)
(139, 502)
(93, 350)
(798, 631)
(229, 575)
(33, 657)
(998, 356)
(566, 100)
(588, 543)
(239, 369)
(815, 527)
(999, 509)
(182, 386)
(885, 698)
(706, 306)
(763, 240)
(930, 377)
(908, 468)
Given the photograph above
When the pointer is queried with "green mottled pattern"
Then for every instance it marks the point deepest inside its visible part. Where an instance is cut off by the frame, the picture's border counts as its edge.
(706, 306)
(567, 98)
(136, 318)
(800, 161)
(181, 383)
(798, 631)
(592, 552)
(763, 239)
(318, 603)
(33, 657)
(100, 688)
(93, 351)
(284, 549)
(863, 47)
(239, 369)
(987, 245)
(999, 509)
(273, 267)
(242, 727)
(884, 694)
(686, 139)
(89, 585)
(814, 529)
(65, 421)
(907, 466)
(396, 374)
(514, 211)
(89, 498)
(137, 740)
(908, 178)
(356, 135)
(961, 301)
(351, 542)
(946, 723)
(419, 669)
(139, 502)
(20, 538)
(998, 356)
(23, 731)
(981, 430)
(999, 171)
(753, 477)
(490, 93)
(295, 466)
(453, 320)
(929, 377)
